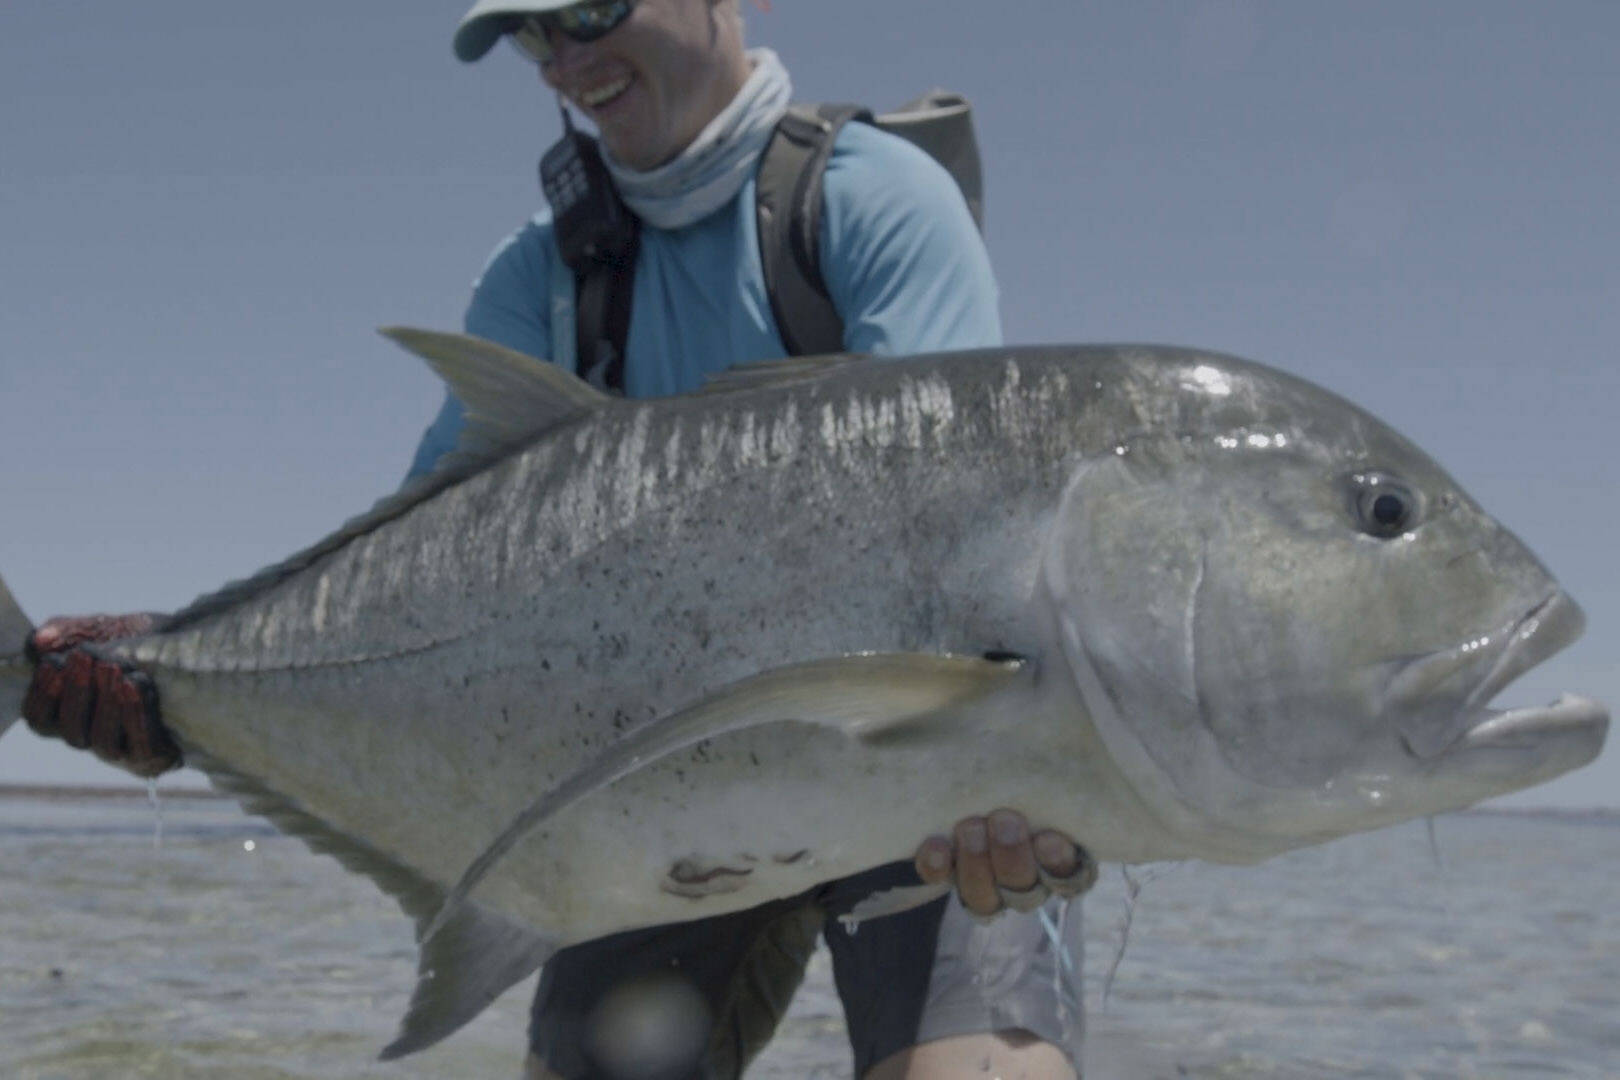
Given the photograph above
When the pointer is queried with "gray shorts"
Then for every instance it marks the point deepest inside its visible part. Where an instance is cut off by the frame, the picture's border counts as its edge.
(740, 971)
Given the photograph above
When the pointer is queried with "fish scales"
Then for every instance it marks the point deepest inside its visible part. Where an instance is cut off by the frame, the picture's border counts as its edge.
(620, 663)
(582, 624)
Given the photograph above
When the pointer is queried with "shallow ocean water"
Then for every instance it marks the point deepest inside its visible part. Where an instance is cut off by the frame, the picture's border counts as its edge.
(230, 951)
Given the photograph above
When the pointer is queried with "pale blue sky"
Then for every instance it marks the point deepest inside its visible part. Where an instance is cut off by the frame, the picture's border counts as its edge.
(206, 207)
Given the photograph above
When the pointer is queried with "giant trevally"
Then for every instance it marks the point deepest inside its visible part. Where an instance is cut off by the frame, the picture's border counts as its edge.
(658, 660)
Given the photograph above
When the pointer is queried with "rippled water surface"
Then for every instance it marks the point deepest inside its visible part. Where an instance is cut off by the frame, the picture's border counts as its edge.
(230, 951)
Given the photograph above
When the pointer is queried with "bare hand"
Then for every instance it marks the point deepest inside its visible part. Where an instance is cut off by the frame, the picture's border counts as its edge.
(996, 863)
(96, 704)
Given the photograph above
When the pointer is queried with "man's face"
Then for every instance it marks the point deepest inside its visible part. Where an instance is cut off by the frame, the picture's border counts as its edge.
(655, 80)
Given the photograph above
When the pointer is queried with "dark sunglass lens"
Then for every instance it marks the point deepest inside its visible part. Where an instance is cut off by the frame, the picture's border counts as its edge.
(592, 19)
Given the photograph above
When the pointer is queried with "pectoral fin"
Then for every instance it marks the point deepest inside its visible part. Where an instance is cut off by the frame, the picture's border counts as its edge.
(876, 697)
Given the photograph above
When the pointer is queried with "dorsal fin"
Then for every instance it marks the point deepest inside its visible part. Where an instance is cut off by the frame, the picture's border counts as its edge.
(509, 397)
(792, 369)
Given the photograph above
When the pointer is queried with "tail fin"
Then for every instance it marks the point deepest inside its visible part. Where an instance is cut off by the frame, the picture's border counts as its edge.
(15, 670)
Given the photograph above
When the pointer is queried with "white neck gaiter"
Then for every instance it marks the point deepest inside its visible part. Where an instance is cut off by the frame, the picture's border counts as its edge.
(709, 173)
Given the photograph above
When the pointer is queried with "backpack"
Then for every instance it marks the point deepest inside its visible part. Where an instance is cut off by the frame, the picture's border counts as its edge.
(788, 213)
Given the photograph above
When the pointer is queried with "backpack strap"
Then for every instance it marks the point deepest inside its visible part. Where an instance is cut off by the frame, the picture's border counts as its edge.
(789, 218)
(788, 209)
(602, 292)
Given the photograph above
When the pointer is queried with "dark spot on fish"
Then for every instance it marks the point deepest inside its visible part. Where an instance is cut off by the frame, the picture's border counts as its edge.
(754, 758)
(789, 860)
(696, 877)
(545, 665)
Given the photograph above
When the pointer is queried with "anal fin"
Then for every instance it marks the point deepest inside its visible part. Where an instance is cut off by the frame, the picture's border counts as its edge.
(470, 960)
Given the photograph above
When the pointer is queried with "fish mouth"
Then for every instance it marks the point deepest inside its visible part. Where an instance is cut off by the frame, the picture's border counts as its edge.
(1530, 728)
(1547, 628)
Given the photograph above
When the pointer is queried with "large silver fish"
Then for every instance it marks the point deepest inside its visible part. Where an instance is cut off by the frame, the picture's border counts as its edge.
(658, 660)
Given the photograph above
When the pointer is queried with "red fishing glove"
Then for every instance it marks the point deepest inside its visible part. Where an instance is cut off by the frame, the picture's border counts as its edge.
(94, 703)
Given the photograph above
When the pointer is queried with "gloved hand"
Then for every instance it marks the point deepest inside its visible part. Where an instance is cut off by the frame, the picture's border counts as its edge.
(996, 864)
(96, 704)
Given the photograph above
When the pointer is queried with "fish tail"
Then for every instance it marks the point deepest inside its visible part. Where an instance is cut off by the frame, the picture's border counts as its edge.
(15, 667)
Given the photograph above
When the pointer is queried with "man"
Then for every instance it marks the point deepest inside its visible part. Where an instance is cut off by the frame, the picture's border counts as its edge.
(684, 112)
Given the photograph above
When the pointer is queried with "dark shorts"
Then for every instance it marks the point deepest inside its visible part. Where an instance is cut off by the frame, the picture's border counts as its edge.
(903, 979)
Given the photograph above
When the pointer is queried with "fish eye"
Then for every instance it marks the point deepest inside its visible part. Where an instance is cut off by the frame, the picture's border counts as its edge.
(1384, 507)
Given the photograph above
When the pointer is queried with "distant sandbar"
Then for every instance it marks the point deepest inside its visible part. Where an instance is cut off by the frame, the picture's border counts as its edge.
(80, 792)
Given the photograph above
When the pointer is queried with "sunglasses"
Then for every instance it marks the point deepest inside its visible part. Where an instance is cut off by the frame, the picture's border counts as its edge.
(582, 22)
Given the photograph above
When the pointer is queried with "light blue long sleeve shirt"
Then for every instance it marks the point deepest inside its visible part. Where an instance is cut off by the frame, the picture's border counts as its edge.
(902, 260)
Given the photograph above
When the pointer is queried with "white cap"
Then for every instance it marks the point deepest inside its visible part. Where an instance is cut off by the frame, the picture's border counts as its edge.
(487, 20)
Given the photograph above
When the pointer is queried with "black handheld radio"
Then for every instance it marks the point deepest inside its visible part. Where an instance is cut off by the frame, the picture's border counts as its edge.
(590, 221)
(597, 237)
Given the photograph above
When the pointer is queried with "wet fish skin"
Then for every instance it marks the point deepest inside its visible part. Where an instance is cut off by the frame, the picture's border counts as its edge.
(711, 650)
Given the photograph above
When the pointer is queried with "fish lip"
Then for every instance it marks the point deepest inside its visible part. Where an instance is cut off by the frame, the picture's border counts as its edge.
(1547, 628)
(1551, 625)
(1530, 727)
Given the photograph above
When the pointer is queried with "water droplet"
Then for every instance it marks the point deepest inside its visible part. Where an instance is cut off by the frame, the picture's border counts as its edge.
(157, 812)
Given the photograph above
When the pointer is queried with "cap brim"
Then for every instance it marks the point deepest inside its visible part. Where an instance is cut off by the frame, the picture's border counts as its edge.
(487, 20)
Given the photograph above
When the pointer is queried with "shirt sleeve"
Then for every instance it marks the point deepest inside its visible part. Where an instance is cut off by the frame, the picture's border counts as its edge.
(903, 262)
(511, 306)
